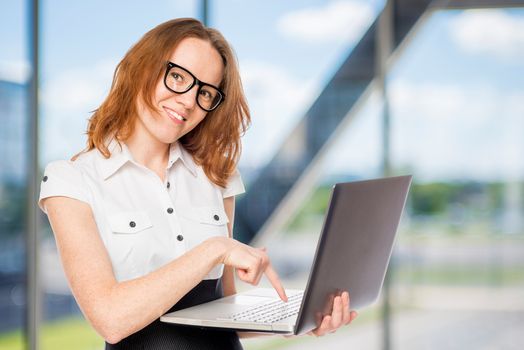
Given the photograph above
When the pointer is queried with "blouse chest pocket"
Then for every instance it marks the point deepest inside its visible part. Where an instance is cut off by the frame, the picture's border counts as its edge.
(200, 223)
(129, 222)
(128, 245)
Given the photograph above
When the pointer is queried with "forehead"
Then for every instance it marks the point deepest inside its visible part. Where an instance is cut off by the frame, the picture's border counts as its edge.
(200, 58)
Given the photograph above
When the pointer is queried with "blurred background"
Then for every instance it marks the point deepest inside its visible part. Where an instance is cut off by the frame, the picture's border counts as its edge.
(339, 90)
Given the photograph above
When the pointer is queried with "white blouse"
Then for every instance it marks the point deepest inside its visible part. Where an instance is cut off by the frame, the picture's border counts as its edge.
(144, 223)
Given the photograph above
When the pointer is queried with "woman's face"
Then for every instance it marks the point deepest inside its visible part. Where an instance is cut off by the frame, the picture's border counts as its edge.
(177, 114)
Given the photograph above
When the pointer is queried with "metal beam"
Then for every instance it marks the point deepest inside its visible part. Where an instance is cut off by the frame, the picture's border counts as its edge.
(33, 305)
(204, 12)
(384, 48)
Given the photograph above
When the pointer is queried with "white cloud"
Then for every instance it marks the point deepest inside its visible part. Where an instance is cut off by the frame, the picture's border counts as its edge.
(277, 100)
(79, 89)
(68, 98)
(443, 103)
(493, 32)
(448, 131)
(15, 71)
(339, 20)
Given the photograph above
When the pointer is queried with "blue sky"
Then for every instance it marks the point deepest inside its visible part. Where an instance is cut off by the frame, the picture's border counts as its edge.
(459, 81)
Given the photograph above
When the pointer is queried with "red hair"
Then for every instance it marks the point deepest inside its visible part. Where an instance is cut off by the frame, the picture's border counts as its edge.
(215, 142)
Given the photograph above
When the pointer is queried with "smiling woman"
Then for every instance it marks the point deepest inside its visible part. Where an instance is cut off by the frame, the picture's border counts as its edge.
(123, 210)
(147, 208)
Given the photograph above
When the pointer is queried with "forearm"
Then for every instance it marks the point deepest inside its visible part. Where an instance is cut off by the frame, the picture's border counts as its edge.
(131, 305)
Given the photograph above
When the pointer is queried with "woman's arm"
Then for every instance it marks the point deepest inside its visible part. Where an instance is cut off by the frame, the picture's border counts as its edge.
(119, 309)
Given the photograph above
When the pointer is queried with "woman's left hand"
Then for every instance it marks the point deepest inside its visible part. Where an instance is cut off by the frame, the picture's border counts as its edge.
(340, 316)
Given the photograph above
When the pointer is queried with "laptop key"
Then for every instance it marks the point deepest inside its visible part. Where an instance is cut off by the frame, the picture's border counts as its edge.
(270, 312)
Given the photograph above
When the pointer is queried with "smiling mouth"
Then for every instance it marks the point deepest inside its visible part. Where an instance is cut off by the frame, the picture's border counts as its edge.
(174, 114)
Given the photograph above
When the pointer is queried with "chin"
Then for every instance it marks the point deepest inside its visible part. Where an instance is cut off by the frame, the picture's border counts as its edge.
(169, 139)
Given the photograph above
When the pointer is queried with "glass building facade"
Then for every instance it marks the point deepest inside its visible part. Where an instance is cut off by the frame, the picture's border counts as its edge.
(453, 93)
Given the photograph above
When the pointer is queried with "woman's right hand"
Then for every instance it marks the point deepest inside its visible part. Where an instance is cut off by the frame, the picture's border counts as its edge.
(250, 264)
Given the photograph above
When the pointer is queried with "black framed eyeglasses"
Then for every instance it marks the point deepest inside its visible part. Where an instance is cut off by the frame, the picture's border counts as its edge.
(179, 80)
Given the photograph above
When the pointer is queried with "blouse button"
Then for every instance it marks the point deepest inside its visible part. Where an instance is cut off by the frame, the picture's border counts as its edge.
(170, 210)
(132, 224)
(180, 237)
(44, 179)
(168, 184)
(216, 217)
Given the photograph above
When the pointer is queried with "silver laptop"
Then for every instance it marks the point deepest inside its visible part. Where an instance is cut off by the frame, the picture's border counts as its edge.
(353, 253)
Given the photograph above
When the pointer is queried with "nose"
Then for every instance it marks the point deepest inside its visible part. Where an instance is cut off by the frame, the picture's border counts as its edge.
(188, 99)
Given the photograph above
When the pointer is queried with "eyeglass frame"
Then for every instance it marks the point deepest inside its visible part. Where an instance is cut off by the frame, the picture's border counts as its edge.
(170, 65)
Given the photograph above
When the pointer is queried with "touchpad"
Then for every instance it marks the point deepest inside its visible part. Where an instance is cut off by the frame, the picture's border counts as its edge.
(246, 300)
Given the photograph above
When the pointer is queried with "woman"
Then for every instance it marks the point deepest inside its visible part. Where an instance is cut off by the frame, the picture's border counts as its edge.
(143, 217)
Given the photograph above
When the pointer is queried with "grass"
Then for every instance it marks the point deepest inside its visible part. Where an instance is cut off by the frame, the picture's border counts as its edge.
(64, 334)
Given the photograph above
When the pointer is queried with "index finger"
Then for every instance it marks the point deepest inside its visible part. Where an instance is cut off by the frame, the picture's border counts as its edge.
(275, 282)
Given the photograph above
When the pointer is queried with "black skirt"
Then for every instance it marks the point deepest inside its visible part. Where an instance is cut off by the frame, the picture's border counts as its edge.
(162, 336)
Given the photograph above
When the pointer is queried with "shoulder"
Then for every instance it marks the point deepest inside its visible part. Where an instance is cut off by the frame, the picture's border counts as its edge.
(67, 178)
(71, 169)
(63, 170)
(235, 185)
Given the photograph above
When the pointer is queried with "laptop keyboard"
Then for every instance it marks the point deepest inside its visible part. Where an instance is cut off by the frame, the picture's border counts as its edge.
(271, 312)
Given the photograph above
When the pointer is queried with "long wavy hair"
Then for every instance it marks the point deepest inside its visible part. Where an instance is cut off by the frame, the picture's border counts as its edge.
(215, 142)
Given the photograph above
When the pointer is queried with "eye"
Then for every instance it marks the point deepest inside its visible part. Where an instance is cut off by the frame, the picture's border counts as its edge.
(177, 76)
(206, 94)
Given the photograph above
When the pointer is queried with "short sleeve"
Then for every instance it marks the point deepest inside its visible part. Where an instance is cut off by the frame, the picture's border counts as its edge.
(235, 186)
(62, 178)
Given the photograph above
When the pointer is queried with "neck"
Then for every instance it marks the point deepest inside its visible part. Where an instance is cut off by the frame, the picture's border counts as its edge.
(149, 152)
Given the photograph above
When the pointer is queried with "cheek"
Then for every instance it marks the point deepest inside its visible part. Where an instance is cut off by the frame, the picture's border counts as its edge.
(198, 118)
(161, 95)
(147, 120)
(144, 115)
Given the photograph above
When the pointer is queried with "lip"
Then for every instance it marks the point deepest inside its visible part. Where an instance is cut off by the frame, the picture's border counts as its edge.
(173, 115)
